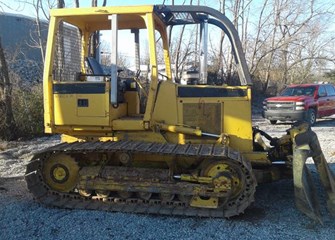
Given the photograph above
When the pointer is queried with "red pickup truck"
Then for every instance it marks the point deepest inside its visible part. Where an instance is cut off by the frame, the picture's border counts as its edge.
(302, 102)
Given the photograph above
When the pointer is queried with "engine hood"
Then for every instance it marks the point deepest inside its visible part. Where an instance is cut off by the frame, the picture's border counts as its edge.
(289, 98)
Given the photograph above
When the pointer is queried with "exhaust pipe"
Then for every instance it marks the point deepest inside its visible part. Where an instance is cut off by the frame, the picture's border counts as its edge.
(114, 45)
(203, 50)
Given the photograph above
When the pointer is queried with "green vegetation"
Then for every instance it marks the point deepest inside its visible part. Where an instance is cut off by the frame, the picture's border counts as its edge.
(28, 111)
(27, 107)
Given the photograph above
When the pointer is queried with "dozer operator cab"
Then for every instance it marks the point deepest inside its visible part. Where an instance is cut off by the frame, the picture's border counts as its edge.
(153, 145)
(80, 97)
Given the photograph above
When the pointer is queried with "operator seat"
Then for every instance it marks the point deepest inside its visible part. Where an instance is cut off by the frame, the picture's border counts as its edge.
(95, 66)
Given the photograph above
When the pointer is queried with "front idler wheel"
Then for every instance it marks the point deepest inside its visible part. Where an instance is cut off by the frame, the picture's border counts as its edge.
(61, 172)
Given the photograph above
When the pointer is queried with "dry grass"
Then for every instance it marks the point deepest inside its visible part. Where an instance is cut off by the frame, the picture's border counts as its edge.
(3, 146)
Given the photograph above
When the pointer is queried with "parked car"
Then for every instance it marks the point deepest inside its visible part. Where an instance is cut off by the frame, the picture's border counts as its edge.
(302, 102)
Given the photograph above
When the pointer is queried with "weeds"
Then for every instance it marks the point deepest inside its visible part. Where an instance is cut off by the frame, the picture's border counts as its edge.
(27, 107)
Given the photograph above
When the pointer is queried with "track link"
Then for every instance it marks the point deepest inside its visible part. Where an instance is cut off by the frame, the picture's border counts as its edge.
(73, 200)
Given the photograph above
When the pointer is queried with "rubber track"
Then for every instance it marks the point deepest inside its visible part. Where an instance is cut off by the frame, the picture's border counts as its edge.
(72, 200)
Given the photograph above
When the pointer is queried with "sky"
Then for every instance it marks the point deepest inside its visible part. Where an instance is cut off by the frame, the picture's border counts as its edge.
(16, 6)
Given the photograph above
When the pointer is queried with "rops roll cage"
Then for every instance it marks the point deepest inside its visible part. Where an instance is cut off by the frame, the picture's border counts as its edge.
(182, 15)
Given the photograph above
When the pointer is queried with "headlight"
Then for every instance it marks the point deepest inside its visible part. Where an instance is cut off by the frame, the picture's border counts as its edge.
(264, 105)
(300, 106)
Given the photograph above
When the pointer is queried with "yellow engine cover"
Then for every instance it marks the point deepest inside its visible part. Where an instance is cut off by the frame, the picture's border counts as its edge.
(81, 104)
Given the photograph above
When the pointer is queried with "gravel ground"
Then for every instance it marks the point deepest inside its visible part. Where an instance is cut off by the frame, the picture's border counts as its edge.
(272, 216)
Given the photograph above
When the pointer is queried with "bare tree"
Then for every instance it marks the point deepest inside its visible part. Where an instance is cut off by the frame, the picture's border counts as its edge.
(272, 52)
(41, 9)
(239, 13)
(220, 57)
(284, 40)
(261, 24)
(41, 45)
(9, 127)
(182, 49)
(177, 54)
(287, 39)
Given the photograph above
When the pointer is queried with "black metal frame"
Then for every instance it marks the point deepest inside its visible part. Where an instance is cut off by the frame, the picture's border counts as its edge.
(171, 15)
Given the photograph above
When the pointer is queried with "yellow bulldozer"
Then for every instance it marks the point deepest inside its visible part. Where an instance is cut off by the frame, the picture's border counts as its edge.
(190, 150)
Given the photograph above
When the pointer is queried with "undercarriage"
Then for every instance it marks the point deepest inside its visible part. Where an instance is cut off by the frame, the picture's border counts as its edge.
(200, 180)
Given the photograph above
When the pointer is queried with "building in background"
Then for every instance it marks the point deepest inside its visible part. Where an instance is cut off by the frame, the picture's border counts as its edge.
(19, 37)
